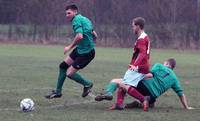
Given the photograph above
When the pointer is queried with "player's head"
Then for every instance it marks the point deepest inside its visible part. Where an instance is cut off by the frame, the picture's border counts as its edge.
(71, 11)
(171, 63)
(138, 24)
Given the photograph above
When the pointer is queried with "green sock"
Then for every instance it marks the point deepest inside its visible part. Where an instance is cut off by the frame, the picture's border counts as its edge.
(61, 79)
(111, 87)
(80, 79)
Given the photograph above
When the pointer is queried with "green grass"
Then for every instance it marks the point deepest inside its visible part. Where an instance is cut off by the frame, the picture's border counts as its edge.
(31, 71)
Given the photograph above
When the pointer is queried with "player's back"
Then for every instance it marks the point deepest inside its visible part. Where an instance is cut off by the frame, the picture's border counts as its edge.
(85, 23)
(163, 79)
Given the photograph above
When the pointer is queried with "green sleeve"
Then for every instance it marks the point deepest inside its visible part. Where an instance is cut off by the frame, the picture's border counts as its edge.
(77, 26)
(177, 88)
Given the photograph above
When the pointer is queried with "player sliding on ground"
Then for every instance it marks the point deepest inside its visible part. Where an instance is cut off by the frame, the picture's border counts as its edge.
(82, 54)
(163, 78)
(139, 65)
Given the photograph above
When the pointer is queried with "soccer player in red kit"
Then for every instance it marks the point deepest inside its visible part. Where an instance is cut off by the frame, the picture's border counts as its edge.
(141, 55)
(138, 67)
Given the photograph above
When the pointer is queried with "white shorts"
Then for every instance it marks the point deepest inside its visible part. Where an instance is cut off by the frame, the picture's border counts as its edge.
(132, 77)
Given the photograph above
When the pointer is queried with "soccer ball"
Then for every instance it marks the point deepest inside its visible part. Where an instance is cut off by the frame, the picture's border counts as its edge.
(27, 105)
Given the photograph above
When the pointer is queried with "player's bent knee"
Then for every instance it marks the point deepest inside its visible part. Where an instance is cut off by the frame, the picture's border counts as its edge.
(116, 81)
(64, 65)
(113, 80)
(69, 75)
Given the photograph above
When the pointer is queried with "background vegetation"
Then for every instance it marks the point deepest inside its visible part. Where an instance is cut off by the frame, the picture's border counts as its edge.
(170, 23)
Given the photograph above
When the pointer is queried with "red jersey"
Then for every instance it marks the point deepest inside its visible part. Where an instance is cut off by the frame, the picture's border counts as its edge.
(141, 53)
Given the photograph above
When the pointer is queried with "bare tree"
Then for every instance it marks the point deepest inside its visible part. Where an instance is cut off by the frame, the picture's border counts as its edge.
(170, 23)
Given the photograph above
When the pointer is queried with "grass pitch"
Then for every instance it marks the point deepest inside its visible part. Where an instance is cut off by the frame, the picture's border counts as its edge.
(30, 71)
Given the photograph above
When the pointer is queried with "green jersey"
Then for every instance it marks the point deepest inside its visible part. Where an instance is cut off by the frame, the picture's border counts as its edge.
(83, 25)
(163, 79)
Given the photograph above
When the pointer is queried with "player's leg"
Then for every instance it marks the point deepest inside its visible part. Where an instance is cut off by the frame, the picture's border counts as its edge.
(120, 96)
(79, 63)
(146, 99)
(112, 86)
(132, 91)
(61, 76)
(143, 99)
(74, 75)
(133, 104)
(62, 72)
(120, 99)
(130, 81)
(110, 89)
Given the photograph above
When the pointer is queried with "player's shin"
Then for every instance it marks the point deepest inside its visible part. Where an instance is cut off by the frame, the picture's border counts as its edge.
(62, 76)
(80, 79)
(120, 96)
(111, 87)
(134, 93)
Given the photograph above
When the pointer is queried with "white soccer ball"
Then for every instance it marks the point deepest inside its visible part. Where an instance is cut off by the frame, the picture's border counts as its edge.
(27, 105)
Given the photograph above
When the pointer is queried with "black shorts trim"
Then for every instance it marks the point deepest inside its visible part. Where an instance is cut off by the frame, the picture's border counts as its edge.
(81, 60)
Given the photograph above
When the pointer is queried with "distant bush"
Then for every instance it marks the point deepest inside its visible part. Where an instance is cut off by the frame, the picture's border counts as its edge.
(179, 36)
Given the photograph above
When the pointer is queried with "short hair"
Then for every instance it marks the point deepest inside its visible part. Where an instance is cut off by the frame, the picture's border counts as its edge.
(139, 21)
(72, 7)
(172, 62)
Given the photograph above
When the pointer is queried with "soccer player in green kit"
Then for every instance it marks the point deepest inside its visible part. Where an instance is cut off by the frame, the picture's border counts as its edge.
(82, 54)
(162, 78)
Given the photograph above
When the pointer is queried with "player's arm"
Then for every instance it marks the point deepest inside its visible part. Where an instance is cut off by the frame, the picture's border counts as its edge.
(179, 91)
(94, 35)
(183, 100)
(147, 76)
(78, 30)
(77, 39)
(153, 70)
